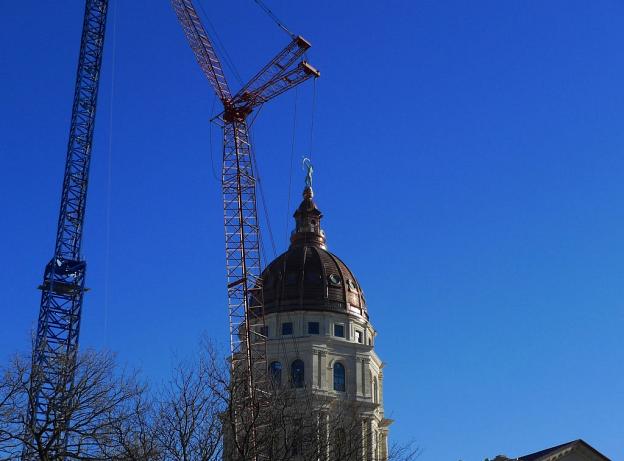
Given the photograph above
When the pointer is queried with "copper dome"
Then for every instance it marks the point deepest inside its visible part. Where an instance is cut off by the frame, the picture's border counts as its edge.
(307, 276)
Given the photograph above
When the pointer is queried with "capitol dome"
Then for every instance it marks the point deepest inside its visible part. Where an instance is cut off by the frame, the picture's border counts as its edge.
(307, 276)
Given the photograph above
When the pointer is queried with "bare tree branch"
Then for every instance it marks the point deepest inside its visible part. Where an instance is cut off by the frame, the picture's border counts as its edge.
(200, 414)
(101, 400)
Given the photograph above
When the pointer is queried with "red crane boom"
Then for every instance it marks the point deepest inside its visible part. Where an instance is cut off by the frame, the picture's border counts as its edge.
(242, 229)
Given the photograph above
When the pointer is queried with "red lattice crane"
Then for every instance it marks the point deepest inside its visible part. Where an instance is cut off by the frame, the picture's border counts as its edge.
(242, 228)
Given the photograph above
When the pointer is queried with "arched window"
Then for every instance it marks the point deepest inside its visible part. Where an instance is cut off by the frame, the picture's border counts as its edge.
(275, 370)
(339, 377)
(375, 391)
(297, 373)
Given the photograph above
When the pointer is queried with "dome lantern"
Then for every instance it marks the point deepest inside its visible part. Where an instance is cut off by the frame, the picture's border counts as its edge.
(308, 223)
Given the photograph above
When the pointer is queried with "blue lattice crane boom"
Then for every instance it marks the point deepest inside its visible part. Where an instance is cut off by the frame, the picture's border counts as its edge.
(242, 229)
(63, 286)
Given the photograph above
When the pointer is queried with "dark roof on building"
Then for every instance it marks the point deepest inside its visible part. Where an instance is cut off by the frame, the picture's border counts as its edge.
(560, 448)
(307, 276)
(557, 450)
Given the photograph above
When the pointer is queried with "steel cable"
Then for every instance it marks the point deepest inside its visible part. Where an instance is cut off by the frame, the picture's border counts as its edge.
(273, 17)
(109, 180)
(292, 156)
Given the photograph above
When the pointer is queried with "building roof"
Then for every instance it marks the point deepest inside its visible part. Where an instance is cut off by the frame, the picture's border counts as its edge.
(557, 452)
(307, 276)
(551, 453)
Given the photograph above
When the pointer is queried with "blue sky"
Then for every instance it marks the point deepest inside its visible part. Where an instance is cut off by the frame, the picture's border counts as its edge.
(468, 160)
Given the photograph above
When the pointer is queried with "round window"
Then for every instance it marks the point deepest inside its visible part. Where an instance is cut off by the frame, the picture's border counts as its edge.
(334, 279)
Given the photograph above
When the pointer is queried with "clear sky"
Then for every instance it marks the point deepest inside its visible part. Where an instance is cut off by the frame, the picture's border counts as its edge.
(468, 160)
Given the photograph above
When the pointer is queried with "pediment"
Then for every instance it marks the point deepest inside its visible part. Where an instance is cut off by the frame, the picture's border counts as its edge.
(578, 450)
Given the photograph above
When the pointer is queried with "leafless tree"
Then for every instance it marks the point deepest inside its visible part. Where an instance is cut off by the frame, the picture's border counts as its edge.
(200, 414)
(189, 424)
(134, 437)
(404, 452)
(102, 400)
(307, 427)
(293, 423)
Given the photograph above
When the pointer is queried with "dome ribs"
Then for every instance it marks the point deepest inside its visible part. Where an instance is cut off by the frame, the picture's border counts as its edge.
(301, 279)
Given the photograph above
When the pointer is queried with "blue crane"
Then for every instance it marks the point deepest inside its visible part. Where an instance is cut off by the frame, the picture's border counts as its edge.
(63, 287)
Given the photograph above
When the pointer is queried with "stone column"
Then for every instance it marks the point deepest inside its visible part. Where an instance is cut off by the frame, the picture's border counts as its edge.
(369, 440)
(359, 377)
(383, 443)
(380, 391)
(366, 378)
(323, 437)
(316, 369)
(363, 441)
(321, 362)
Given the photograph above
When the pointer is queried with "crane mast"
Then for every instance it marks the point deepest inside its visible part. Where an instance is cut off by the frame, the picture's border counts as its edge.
(242, 228)
(63, 287)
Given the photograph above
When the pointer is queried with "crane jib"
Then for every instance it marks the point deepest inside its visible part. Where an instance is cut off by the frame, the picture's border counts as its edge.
(242, 230)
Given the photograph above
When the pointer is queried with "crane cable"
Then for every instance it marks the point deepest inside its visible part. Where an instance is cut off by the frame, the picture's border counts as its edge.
(212, 167)
(292, 156)
(260, 189)
(275, 19)
(218, 42)
(109, 181)
(312, 121)
(294, 341)
(266, 214)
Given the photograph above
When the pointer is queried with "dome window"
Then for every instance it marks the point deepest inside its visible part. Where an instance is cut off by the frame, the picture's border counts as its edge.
(297, 373)
(287, 328)
(339, 377)
(339, 330)
(313, 328)
(334, 279)
(359, 335)
(351, 285)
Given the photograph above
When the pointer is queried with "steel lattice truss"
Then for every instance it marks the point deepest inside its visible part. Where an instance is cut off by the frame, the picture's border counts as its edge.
(63, 285)
(242, 230)
(242, 247)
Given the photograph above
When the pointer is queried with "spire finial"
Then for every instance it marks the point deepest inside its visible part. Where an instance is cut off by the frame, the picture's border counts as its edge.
(307, 165)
